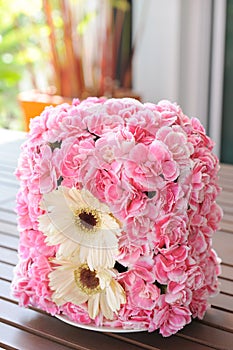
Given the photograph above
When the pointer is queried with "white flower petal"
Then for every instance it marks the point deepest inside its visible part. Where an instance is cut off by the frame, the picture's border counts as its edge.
(72, 282)
(63, 224)
(93, 305)
(76, 198)
(119, 293)
(93, 202)
(111, 299)
(76, 297)
(105, 278)
(62, 282)
(68, 249)
(52, 236)
(107, 312)
(104, 239)
(100, 257)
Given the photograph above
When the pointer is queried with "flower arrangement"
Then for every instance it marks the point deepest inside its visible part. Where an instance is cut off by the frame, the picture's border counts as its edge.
(116, 212)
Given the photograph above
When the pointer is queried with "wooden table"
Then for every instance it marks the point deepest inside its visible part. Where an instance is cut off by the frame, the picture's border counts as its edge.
(32, 329)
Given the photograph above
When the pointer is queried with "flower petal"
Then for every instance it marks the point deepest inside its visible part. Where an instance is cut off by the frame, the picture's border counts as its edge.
(93, 305)
(107, 312)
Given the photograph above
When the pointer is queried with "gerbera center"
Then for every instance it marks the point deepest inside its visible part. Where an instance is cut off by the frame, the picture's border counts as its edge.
(88, 219)
(86, 280)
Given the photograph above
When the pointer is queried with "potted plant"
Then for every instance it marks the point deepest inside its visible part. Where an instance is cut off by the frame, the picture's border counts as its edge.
(89, 51)
(20, 29)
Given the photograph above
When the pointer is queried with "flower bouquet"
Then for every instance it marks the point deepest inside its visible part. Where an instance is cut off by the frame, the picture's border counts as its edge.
(116, 212)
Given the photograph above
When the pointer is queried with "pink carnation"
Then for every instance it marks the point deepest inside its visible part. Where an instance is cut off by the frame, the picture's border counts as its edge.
(153, 171)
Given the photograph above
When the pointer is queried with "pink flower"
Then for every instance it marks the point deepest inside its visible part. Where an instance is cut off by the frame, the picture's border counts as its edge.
(99, 122)
(145, 124)
(170, 264)
(178, 294)
(144, 169)
(139, 284)
(214, 216)
(195, 277)
(77, 313)
(211, 268)
(72, 156)
(105, 186)
(32, 244)
(168, 112)
(176, 141)
(113, 147)
(47, 171)
(153, 169)
(20, 283)
(141, 135)
(172, 199)
(140, 230)
(22, 209)
(198, 243)
(171, 230)
(177, 318)
(130, 252)
(198, 136)
(199, 303)
(143, 295)
(169, 318)
(144, 268)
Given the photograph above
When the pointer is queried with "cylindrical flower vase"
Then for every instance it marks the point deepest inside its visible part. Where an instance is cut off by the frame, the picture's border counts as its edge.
(116, 214)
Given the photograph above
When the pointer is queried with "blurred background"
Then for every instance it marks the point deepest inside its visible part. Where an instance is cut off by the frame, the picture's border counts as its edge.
(182, 50)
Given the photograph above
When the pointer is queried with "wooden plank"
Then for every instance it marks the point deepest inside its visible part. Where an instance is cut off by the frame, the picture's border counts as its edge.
(8, 181)
(226, 179)
(219, 319)
(227, 209)
(8, 217)
(225, 169)
(228, 187)
(226, 286)
(7, 241)
(9, 228)
(223, 174)
(6, 168)
(225, 197)
(227, 226)
(6, 271)
(216, 338)
(226, 183)
(228, 219)
(9, 203)
(5, 291)
(175, 342)
(152, 340)
(223, 302)
(222, 243)
(10, 144)
(8, 256)
(18, 339)
(6, 194)
(227, 272)
(48, 327)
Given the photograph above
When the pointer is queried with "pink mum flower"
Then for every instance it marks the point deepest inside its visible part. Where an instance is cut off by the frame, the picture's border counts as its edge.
(143, 234)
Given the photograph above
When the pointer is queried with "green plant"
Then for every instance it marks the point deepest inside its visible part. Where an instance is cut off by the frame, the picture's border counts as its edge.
(87, 45)
(78, 47)
(21, 27)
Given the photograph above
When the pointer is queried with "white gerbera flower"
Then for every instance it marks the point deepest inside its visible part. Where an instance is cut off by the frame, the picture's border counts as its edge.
(81, 224)
(76, 283)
